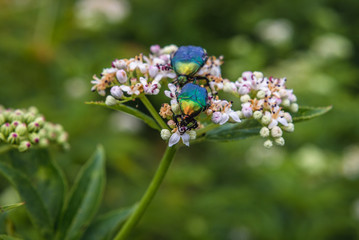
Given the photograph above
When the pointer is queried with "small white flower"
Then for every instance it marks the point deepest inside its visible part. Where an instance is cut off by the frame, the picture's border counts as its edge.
(119, 64)
(247, 109)
(155, 48)
(165, 134)
(121, 76)
(294, 107)
(268, 144)
(245, 98)
(257, 115)
(280, 141)
(264, 132)
(133, 89)
(174, 139)
(153, 70)
(266, 119)
(172, 93)
(216, 117)
(152, 88)
(289, 128)
(116, 92)
(276, 132)
(261, 94)
(169, 49)
(164, 74)
(110, 101)
(135, 63)
(229, 86)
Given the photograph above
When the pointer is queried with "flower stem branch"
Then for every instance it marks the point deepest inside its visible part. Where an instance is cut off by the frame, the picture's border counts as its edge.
(207, 128)
(149, 194)
(153, 111)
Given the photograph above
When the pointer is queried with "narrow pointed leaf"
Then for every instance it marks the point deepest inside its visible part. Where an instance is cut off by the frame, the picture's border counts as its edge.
(105, 226)
(45, 177)
(307, 113)
(34, 204)
(9, 207)
(85, 197)
(132, 111)
(251, 127)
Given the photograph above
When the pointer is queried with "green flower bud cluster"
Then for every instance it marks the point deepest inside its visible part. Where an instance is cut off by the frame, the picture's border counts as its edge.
(25, 128)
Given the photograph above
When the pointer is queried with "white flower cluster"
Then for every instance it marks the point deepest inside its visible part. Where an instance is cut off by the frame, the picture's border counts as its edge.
(268, 101)
(137, 75)
(265, 99)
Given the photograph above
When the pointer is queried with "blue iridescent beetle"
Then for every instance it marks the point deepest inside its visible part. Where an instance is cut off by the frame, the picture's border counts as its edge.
(192, 101)
(186, 62)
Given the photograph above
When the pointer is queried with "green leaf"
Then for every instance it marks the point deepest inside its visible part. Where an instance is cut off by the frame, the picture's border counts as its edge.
(132, 111)
(7, 237)
(105, 226)
(45, 176)
(251, 127)
(306, 113)
(85, 197)
(34, 204)
(9, 207)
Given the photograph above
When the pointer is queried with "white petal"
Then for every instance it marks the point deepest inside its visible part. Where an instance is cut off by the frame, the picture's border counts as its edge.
(168, 93)
(273, 123)
(234, 116)
(185, 139)
(125, 88)
(174, 139)
(171, 75)
(143, 81)
(283, 121)
(224, 119)
(172, 87)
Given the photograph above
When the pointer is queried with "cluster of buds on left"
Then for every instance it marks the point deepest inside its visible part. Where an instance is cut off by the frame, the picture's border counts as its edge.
(26, 128)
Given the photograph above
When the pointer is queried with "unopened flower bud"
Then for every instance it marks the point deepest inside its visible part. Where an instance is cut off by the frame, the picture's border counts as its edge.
(261, 94)
(34, 110)
(121, 76)
(264, 132)
(288, 117)
(119, 64)
(116, 92)
(276, 132)
(279, 141)
(17, 115)
(40, 120)
(6, 128)
(258, 75)
(294, 107)
(169, 49)
(24, 145)
(34, 138)
(283, 93)
(245, 98)
(13, 138)
(285, 102)
(33, 126)
(44, 142)
(21, 129)
(171, 123)
(29, 117)
(110, 101)
(268, 144)
(266, 119)
(175, 108)
(165, 134)
(257, 115)
(155, 48)
(289, 127)
(192, 134)
(15, 123)
(63, 138)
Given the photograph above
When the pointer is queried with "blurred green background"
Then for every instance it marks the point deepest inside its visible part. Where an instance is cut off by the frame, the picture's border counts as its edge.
(307, 189)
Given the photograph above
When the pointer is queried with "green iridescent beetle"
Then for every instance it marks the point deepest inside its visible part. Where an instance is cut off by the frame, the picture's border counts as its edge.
(192, 101)
(187, 61)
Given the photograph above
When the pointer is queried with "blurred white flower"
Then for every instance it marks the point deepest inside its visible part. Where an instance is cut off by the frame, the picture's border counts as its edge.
(350, 163)
(332, 46)
(93, 13)
(76, 87)
(276, 31)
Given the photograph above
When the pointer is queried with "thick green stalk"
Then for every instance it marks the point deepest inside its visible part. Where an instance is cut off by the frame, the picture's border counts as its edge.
(153, 111)
(149, 194)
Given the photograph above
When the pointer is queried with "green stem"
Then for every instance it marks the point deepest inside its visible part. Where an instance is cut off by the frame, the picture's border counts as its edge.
(149, 194)
(153, 111)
